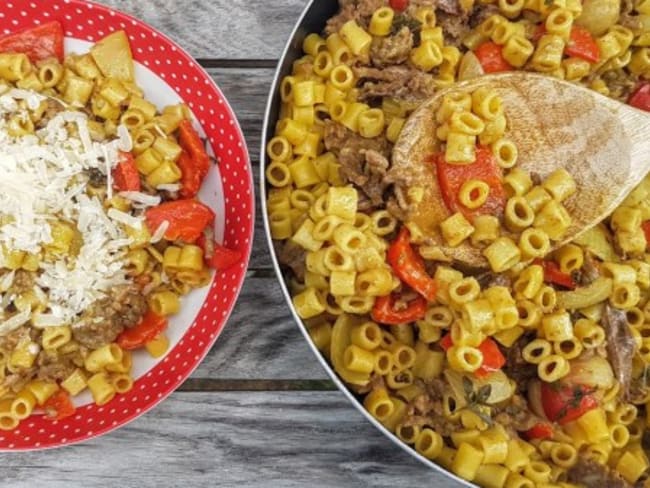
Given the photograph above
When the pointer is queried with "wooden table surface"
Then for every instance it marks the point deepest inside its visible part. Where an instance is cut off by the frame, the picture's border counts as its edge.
(259, 411)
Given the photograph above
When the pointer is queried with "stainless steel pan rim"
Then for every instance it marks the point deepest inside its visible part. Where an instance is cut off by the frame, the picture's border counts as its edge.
(315, 11)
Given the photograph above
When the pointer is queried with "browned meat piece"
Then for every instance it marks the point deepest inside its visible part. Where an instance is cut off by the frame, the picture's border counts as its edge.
(627, 6)
(517, 368)
(9, 342)
(54, 368)
(53, 108)
(516, 415)
(455, 26)
(23, 282)
(360, 10)
(619, 83)
(348, 12)
(589, 271)
(638, 391)
(96, 178)
(401, 82)
(386, 51)
(451, 7)
(588, 472)
(365, 8)
(363, 161)
(426, 410)
(292, 256)
(620, 346)
(364, 204)
(396, 210)
(488, 279)
(482, 12)
(632, 22)
(108, 317)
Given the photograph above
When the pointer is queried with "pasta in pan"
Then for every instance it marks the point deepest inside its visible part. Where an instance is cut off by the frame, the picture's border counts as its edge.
(101, 232)
(533, 371)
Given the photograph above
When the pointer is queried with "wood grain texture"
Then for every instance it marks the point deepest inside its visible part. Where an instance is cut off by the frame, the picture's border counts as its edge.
(231, 439)
(221, 29)
(258, 345)
(247, 90)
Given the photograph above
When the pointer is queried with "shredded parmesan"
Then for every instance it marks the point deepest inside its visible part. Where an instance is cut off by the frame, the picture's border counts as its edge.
(44, 180)
(139, 197)
(169, 187)
(125, 143)
(125, 218)
(42, 320)
(7, 281)
(160, 232)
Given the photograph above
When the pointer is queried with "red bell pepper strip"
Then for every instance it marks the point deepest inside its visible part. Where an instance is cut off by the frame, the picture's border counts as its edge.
(408, 265)
(190, 176)
(193, 162)
(445, 342)
(552, 274)
(582, 45)
(149, 327)
(386, 311)
(187, 219)
(38, 43)
(217, 256)
(191, 142)
(452, 176)
(493, 358)
(490, 56)
(565, 403)
(399, 5)
(640, 97)
(125, 174)
(541, 430)
(58, 406)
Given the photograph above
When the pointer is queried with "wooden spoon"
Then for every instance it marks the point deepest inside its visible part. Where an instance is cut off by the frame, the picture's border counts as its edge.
(602, 143)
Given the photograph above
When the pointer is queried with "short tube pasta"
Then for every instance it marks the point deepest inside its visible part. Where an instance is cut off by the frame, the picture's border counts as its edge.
(362, 241)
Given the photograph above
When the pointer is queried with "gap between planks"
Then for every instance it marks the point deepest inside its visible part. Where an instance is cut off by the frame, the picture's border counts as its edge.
(237, 63)
(210, 384)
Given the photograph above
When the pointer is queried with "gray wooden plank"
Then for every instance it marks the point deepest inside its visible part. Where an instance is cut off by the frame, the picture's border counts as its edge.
(261, 340)
(229, 29)
(247, 90)
(231, 439)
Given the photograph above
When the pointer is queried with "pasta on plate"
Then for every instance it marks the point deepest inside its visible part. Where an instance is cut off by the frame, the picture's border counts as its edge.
(101, 233)
(534, 370)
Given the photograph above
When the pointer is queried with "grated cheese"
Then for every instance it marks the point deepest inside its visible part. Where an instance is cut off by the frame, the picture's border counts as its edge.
(7, 281)
(42, 320)
(139, 197)
(160, 232)
(125, 218)
(169, 187)
(44, 179)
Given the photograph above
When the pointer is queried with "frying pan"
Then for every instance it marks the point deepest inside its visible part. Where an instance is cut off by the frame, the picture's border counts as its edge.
(313, 19)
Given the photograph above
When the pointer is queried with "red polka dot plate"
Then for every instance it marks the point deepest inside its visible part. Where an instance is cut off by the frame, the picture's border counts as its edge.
(168, 75)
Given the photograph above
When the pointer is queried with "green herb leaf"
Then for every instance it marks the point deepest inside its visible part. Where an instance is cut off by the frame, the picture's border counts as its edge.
(484, 393)
(414, 25)
(468, 386)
